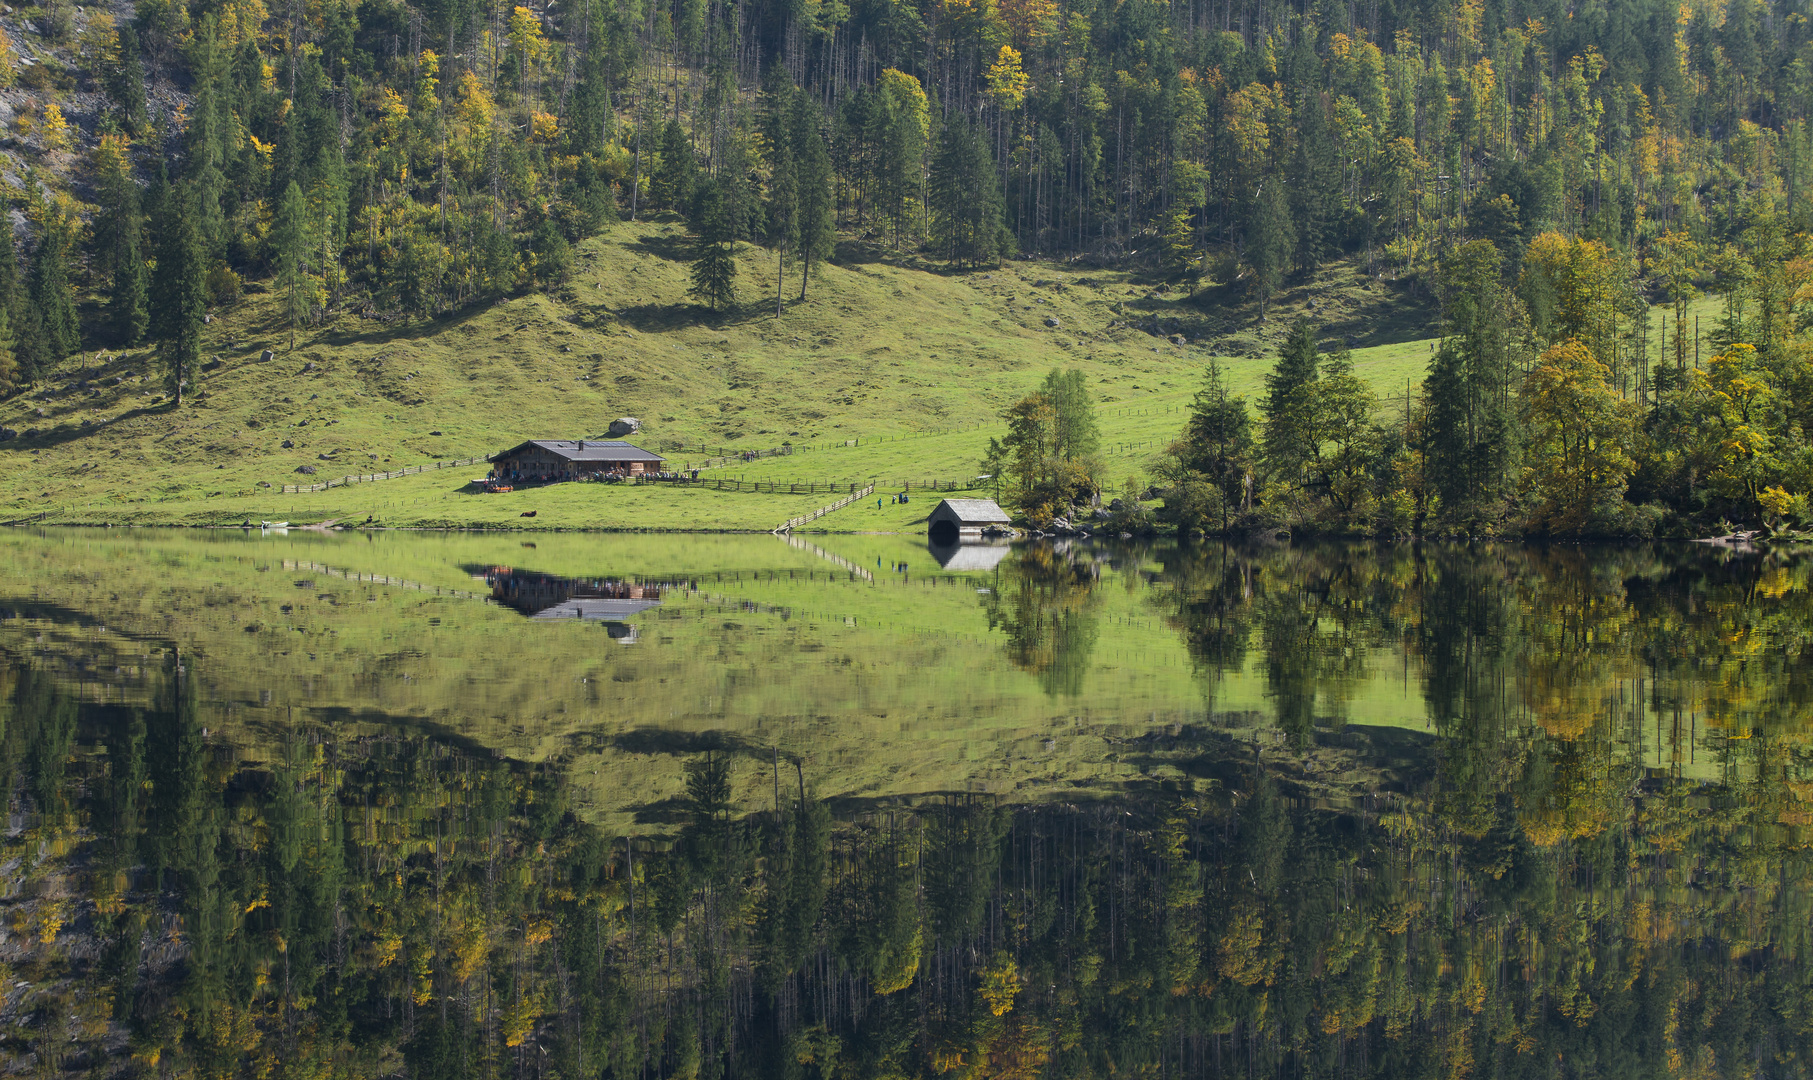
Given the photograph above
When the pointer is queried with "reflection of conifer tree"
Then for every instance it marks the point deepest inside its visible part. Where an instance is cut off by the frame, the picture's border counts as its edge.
(1210, 598)
(797, 885)
(962, 849)
(1469, 641)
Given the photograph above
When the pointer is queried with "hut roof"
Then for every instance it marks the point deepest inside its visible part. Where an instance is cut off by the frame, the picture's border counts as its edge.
(587, 450)
(972, 512)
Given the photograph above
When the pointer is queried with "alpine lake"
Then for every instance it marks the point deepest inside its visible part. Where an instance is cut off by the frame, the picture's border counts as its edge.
(292, 804)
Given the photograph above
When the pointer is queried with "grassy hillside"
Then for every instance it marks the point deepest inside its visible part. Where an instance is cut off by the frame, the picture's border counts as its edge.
(889, 373)
(912, 363)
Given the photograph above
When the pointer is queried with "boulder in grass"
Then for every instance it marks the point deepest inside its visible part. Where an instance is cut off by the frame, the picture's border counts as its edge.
(266, 356)
(1053, 321)
(306, 470)
(622, 426)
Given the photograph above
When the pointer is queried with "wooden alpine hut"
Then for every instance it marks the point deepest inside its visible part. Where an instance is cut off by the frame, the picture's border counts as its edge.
(572, 459)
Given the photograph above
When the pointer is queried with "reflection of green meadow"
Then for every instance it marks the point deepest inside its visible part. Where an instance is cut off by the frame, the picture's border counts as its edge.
(860, 655)
(890, 683)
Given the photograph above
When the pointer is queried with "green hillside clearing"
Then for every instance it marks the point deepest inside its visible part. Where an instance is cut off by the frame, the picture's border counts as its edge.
(888, 373)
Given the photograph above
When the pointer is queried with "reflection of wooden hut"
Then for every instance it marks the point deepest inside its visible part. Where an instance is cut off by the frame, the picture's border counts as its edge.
(544, 596)
(969, 557)
(966, 519)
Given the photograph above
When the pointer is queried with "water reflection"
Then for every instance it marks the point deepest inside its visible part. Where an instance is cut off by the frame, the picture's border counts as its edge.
(1045, 606)
(547, 596)
(1437, 811)
(402, 904)
(966, 557)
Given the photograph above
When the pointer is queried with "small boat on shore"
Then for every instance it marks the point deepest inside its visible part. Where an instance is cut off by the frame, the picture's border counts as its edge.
(272, 525)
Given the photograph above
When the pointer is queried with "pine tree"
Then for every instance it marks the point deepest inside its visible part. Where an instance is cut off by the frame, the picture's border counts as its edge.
(180, 287)
(290, 244)
(812, 165)
(714, 267)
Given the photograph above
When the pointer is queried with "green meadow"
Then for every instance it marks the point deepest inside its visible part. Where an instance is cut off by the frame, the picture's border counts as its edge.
(890, 372)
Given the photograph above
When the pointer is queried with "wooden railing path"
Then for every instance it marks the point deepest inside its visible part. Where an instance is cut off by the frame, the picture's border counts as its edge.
(793, 523)
(366, 478)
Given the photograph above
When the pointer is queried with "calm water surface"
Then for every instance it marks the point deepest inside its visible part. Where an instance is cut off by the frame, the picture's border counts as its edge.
(582, 807)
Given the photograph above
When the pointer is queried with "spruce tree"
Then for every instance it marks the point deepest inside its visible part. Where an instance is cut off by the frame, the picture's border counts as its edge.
(290, 244)
(736, 186)
(126, 82)
(966, 197)
(119, 254)
(714, 267)
(1290, 402)
(1315, 185)
(29, 350)
(128, 314)
(51, 294)
(812, 163)
(205, 139)
(671, 185)
(783, 187)
(1218, 440)
(16, 306)
(180, 288)
(1469, 427)
(1074, 435)
(1273, 238)
(9, 360)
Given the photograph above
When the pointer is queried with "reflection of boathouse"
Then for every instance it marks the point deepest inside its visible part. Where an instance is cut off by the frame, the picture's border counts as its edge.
(544, 596)
(964, 558)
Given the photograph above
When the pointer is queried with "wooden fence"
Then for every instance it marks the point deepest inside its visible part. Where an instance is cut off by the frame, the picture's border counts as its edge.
(763, 487)
(793, 523)
(380, 579)
(721, 453)
(296, 489)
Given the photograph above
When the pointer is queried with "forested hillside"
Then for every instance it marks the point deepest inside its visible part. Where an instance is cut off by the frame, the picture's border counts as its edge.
(1540, 174)
(414, 159)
